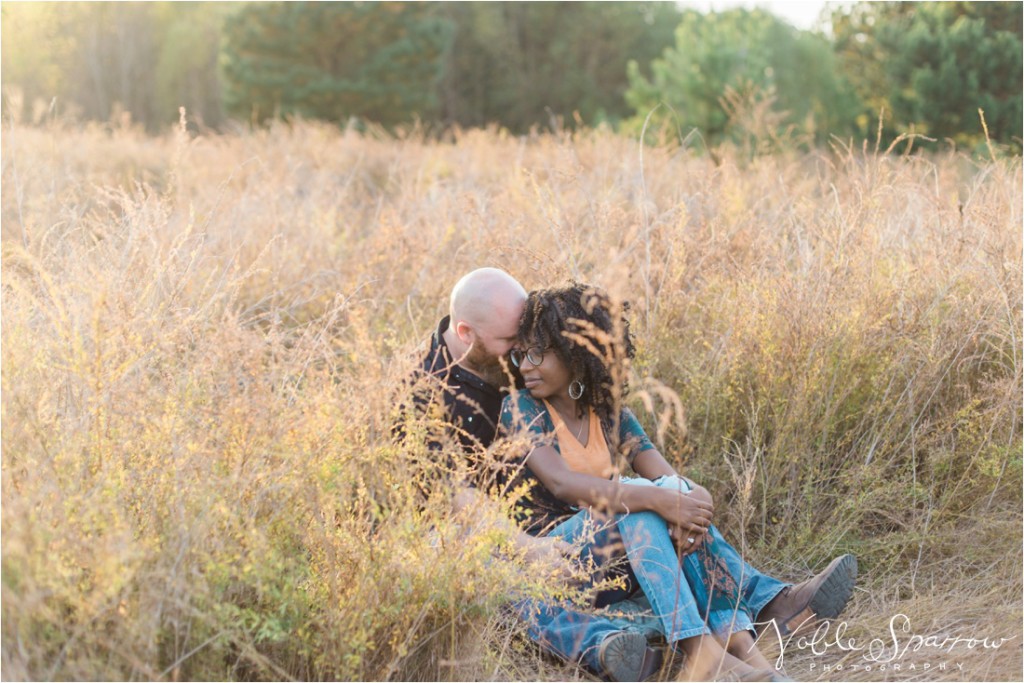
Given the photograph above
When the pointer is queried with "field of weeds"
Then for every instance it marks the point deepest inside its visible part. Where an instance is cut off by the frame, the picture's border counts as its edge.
(202, 340)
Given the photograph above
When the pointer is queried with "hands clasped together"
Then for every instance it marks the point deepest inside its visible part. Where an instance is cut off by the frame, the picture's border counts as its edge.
(688, 514)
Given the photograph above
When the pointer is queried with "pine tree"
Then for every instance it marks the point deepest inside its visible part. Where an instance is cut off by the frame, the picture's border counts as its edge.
(376, 61)
(932, 65)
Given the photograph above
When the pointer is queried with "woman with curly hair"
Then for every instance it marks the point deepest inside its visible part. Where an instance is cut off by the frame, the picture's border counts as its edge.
(573, 351)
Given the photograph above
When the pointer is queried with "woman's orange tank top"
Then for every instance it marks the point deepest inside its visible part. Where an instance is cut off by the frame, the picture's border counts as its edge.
(594, 458)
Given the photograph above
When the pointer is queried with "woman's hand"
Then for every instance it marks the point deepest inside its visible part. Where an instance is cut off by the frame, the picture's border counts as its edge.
(701, 493)
(684, 510)
(682, 539)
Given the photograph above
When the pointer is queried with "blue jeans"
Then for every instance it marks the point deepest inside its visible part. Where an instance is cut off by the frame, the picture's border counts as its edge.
(676, 592)
(576, 635)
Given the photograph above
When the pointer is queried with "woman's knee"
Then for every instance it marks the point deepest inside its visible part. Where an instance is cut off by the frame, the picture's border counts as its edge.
(644, 528)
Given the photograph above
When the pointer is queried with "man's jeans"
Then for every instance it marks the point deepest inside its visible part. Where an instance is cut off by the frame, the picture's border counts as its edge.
(675, 601)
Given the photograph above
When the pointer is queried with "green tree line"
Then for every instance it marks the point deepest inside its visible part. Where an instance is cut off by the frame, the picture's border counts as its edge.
(742, 75)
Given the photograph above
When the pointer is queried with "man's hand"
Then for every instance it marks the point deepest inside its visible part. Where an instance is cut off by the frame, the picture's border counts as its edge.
(548, 555)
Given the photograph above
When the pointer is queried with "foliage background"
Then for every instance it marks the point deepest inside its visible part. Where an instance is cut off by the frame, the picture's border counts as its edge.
(925, 67)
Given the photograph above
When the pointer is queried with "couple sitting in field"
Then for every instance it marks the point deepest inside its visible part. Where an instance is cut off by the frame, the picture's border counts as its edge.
(566, 351)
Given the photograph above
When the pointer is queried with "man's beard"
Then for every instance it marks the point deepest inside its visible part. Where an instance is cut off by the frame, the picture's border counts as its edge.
(487, 365)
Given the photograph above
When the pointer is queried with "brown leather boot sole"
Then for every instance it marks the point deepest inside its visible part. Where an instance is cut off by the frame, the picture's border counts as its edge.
(821, 597)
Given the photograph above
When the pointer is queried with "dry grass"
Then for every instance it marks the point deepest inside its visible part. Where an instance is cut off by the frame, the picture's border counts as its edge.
(202, 339)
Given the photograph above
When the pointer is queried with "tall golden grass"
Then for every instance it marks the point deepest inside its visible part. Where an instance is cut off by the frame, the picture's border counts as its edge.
(203, 339)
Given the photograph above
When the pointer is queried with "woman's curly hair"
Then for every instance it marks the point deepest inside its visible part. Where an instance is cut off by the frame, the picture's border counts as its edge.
(590, 334)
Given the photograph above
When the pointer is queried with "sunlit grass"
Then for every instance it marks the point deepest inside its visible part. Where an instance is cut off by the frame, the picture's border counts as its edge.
(203, 340)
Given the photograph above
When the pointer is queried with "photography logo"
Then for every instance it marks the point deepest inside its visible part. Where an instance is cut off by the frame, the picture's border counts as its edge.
(901, 649)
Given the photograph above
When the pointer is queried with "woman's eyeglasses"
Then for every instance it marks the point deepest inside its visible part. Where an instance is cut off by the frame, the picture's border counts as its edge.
(534, 354)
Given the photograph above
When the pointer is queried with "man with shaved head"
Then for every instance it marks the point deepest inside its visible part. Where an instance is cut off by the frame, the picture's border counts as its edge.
(483, 314)
(466, 374)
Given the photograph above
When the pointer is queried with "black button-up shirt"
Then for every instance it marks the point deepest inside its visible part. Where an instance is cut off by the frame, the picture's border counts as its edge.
(471, 405)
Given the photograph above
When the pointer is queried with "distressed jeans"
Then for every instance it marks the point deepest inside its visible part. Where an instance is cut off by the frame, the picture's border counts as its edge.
(675, 603)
